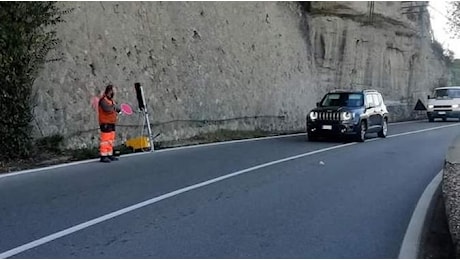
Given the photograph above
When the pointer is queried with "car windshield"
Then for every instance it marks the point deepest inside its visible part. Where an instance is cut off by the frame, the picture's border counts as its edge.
(447, 93)
(342, 100)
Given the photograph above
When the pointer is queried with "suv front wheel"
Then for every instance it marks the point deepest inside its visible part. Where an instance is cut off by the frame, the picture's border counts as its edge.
(383, 132)
(361, 134)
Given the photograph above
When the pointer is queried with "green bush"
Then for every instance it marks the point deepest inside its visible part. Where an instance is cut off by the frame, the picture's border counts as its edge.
(26, 37)
(51, 143)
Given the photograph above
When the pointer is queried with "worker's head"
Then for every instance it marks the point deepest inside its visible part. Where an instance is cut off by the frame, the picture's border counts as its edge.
(109, 91)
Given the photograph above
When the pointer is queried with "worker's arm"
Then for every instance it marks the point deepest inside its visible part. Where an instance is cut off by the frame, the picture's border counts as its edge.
(108, 107)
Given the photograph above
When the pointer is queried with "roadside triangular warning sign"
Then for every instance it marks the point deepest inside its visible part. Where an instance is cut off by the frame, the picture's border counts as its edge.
(419, 106)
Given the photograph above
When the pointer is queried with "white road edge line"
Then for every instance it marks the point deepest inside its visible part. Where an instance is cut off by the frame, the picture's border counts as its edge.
(117, 213)
(114, 214)
(146, 153)
(412, 238)
(423, 130)
(170, 150)
(406, 122)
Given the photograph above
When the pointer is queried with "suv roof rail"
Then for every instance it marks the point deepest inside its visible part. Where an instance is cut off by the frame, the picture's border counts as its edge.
(370, 90)
(353, 90)
(341, 90)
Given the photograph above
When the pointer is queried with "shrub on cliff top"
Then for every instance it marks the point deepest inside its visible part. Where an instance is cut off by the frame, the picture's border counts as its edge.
(26, 37)
(453, 15)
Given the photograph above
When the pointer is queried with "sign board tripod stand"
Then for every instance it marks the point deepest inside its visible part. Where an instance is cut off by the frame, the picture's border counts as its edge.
(142, 142)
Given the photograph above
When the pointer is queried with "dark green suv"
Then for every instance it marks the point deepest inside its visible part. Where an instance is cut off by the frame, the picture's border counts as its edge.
(348, 113)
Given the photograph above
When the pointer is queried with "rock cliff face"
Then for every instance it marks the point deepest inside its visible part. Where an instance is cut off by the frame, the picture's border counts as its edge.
(232, 65)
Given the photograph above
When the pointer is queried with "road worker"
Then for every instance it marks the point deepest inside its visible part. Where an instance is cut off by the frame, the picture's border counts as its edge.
(108, 112)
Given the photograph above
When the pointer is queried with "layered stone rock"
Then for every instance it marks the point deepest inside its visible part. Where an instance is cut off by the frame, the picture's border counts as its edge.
(231, 65)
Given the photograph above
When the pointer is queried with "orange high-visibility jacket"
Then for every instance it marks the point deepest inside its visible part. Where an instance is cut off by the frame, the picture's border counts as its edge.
(107, 117)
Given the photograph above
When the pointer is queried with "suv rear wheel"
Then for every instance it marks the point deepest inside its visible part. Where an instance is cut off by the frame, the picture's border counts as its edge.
(383, 132)
(361, 134)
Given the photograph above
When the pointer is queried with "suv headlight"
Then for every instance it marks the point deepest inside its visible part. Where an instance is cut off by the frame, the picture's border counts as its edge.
(430, 106)
(455, 106)
(347, 115)
(313, 115)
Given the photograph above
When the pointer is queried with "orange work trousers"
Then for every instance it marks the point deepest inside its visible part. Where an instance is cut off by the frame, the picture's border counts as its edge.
(106, 143)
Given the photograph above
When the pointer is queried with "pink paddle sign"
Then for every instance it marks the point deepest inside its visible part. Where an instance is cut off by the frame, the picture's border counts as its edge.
(126, 109)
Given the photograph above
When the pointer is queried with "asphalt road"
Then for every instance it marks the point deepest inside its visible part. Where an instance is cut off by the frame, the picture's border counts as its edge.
(334, 200)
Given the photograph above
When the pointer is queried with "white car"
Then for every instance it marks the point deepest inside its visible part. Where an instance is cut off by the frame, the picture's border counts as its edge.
(445, 103)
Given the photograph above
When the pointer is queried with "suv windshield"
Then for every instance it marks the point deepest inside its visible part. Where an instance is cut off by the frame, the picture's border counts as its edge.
(342, 100)
(447, 93)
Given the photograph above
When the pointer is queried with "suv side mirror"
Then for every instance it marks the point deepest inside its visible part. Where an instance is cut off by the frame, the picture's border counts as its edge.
(429, 97)
(371, 105)
(317, 104)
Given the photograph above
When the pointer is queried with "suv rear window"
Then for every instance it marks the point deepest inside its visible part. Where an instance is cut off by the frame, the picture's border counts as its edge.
(342, 100)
